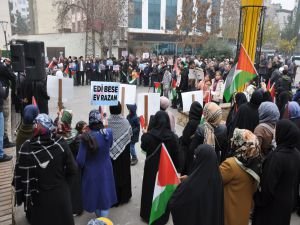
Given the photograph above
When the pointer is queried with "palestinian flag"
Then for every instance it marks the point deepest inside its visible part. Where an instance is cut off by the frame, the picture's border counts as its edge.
(173, 90)
(243, 72)
(271, 89)
(157, 87)
(166, 183)
(67, 70)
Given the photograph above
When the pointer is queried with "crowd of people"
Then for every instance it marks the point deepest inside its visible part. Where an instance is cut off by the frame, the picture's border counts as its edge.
(245, 168)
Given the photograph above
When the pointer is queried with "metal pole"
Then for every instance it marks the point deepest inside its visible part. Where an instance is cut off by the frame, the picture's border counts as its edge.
(6, 45)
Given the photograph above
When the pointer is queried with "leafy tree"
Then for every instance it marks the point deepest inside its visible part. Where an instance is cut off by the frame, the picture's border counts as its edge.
(271, 33)
(21, 24)
(217, 48)
(191, 28)
(288, 33)
(287, 46)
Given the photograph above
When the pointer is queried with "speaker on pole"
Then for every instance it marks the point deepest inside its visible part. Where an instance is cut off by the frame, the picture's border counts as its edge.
(35, 60)
(17, 57)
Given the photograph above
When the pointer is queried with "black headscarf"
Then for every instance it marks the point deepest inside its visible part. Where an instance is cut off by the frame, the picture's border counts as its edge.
(195, 111)
(161, 126)
(240, 98)
(256, 98)
(115, 109)
(282, 101)
(287, 134)
(199, 199)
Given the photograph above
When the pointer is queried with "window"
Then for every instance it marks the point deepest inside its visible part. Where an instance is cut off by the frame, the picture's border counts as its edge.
(171, 14)
(135, 14)
(154, 14)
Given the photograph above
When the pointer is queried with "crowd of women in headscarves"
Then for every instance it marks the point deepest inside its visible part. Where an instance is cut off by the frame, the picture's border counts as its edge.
(62, 171)
(247, 167)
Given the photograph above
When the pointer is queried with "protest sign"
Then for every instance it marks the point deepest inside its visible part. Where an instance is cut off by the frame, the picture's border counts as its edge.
(67, 87)
(130, 94)
(124, 53)
(146, 55)
(189, 97)
(104, 93)
(148, 104)
(116, 67)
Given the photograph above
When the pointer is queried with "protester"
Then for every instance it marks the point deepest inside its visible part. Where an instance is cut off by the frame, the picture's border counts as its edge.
(241, 176)
(217, 88)
(247, 115)
(184, 80)
(3, 156)
(166, 82)
(120, 153)
(294, 113)
(135, 125)
(280, 177)
(186, 156)
(199, 198)
(205, 86)
(282, 104)
(238, 100)
(265, 131)
(212, 132)
(151, 144)
(75, 186)
(98, 186)
(45, 163)
(63, 123)
(26, 129)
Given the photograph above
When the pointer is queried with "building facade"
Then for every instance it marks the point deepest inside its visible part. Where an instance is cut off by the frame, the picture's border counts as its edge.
(5, 17)
(151, 24)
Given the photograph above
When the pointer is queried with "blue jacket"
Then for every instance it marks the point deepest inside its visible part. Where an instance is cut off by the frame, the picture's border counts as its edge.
(134, 122)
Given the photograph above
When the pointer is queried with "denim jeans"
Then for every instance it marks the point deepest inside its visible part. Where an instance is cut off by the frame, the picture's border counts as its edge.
(1, 134)
(132, 150)
(102, 212)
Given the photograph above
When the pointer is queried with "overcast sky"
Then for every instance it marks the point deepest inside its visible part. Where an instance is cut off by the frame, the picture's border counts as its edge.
(286, 4)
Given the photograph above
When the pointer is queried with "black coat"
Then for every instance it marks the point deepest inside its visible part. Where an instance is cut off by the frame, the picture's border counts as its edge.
(280, 179)
(151, 143)
(221, 141)
(195, 115)
(198, 200)
(184, 81)
(134, 122)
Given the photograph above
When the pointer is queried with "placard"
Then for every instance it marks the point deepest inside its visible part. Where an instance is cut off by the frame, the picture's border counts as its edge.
(124, 53)
(130, 94)
(104, 93)
(192, 74)
(146, 55)
(153, 104)
(67, 87)
(187, 99)
(116, 67)
(109, 62)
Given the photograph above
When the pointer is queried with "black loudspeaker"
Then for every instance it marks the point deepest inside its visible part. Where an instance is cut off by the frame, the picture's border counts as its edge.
(17, 57)
(35, 66)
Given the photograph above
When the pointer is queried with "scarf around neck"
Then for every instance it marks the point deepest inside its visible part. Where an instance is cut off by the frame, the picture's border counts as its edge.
(122, 133)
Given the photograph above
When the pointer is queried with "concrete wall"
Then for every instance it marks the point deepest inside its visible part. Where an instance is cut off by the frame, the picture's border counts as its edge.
(4, 16)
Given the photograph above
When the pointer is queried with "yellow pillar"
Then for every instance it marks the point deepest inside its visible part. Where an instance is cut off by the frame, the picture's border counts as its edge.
(251, 17)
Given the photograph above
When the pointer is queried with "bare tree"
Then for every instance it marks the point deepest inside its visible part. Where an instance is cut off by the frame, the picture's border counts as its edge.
(231, 17)
(103, 17)
(194, 25)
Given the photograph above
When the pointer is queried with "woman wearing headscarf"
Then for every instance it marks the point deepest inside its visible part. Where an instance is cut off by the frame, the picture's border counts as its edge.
(63, 123)
(98, 186)
(212, 132)
(26, 129)
(240, 175)
(198, 200)
(294, 113)
(247, 115)
(45, 163)
(186, 156)
(280, 177)
(120, 153)
(238, 99)
(265, 131)
(282, 103)
(151, 144)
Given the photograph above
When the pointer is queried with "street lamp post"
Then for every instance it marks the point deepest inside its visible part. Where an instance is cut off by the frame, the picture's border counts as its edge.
(4, 28)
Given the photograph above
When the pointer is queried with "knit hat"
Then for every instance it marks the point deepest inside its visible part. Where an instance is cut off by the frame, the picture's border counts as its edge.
(30, 112)
(67, 117)
(44, 120)
(164, 102)
(95, 117)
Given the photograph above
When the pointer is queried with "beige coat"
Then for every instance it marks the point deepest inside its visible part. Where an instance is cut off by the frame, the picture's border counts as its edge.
(239, 188)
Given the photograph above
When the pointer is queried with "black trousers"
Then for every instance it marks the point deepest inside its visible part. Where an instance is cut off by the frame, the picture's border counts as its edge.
(88, 77)
(80, 78)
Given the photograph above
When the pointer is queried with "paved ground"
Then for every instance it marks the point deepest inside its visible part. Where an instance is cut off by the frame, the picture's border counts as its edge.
(126, 214)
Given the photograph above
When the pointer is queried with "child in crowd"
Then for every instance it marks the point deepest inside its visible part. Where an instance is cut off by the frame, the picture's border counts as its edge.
(135, 125)
(217, 88)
